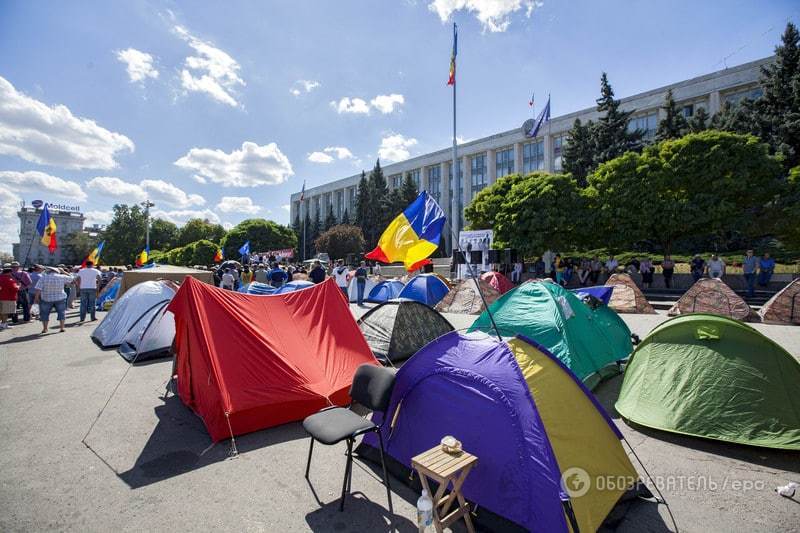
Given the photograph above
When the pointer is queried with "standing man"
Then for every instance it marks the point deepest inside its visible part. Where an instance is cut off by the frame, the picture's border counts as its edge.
(716, 267)
(667, 270)
(697, 267)
(361, 281)
(277, 276)
(766, 266)
(749, 266)
(35, 274)
(88, 280)
(549, 258)
(227, 281)
(49, 294)
(317, 274)
(24, 281)
(9, 289)
(340, 274)
(611, 266)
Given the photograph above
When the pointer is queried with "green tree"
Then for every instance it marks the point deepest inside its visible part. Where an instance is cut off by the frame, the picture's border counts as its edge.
(163, 234)
(378, 213)
(185, 254)
(674, 124)
(735, 118)
(699, 121)
(579, 152)
(788, 227)
(305, 240)
(314, 230)
(704, 183)
(341, 240)
(76, 246)
(345, 217)
(541, 211)
(203, 252)
(481, 213)
(330, 219)
(408, 192)
(263, 235)
(197, 229)
(125, 235)
(394, 202)
(362, 201)
(610, 134)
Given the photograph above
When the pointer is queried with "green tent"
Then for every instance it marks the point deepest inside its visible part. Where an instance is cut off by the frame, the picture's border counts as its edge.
(711, 376)
(588, 341)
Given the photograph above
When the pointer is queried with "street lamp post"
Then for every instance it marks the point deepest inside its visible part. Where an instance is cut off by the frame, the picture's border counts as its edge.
(147, 204)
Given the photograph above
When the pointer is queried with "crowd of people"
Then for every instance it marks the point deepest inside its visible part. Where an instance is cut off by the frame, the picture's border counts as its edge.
(590, 270)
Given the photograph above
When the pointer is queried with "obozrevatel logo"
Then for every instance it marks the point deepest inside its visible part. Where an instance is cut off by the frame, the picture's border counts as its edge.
(575, 481)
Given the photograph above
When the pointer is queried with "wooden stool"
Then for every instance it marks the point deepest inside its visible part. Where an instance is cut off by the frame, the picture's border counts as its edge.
(445, 468)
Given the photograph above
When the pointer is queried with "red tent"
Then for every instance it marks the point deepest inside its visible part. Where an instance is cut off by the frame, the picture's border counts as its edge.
(498, 281)
(259, 361)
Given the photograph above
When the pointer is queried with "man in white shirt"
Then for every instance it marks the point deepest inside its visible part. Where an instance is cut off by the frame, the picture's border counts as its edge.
(611, 265)
(716, 267)
(228, 280)
(88, 278)
(548, 258)
(340, 275)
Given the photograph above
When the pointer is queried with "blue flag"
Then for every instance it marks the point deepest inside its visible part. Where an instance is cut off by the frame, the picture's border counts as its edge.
(245, 249)
(543, 117)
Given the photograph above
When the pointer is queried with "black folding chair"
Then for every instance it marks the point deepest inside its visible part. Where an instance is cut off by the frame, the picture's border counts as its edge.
(372, 387)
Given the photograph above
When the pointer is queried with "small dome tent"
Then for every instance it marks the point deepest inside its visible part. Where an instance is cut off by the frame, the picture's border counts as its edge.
(784, 306)
(498, 281)
(141, 299)
(425, 288)
(385, 291)
(626, 296)
(464, 298)
(711, 376)
(539, 416)
(151, 337)
(294, 286)
(589, 341)
(397, 329)
(711, 295)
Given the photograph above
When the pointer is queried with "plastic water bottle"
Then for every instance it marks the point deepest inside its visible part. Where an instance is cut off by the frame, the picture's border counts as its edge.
(424, 511)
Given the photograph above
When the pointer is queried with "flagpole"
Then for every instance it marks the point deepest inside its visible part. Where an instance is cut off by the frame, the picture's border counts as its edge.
(455, 215)
(302, 202)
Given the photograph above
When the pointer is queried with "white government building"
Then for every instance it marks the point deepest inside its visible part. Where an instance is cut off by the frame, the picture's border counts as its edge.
(484, 160)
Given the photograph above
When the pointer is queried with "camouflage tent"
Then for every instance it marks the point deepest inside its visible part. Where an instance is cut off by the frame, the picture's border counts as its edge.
(711, 295)
(627, 297)
(784, 307)
(464, 298)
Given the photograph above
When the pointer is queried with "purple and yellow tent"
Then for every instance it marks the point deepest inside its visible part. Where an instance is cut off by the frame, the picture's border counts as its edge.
(546, 448)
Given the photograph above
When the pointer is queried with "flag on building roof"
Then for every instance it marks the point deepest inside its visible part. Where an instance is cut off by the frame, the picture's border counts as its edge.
(46, 226)
(94, 256)
(143, 257)
(245, 249)
(530, 103)
(413, 235)
(303, 192)
(544, 116)
(219, 256)
(451, 80)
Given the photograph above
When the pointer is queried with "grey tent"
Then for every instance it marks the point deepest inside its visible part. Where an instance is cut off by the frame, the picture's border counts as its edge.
(151, 337)
(397, 329)
(129, 308)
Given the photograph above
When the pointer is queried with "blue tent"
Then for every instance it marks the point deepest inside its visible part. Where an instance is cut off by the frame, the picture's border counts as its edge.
(425, 288)
(109, 293)
(601, 292)
(294, 286)
(385, 291)
(256, 287)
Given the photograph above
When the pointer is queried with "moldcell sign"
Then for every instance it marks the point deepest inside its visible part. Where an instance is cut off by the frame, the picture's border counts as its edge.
(56, 207)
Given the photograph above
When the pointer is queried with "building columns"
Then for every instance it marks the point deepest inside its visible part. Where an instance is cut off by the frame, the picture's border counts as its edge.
(714, 103)
(518, 158)
(491, 164)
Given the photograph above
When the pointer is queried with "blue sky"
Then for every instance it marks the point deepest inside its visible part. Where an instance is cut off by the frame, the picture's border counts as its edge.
(221, 110)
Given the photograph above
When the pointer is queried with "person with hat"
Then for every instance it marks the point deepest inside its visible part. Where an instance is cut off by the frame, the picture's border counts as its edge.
(50, 294)
(24, 281)
(88, 279)
(9, 289)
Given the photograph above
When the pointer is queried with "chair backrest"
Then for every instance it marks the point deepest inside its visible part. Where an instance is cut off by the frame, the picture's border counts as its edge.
(372, 387)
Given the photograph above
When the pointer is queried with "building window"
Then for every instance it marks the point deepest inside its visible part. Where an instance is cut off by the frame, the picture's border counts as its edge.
(532, 157)
(396, 181)
(754, 93)
(435, 182)
(316, 206)
(648, 124)
(559, 142)
(415, 176)
(504, 161)
(478, 168)
(339, 204)
(687, 111)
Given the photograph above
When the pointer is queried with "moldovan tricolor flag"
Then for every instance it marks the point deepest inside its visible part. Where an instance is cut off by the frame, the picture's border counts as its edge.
(46, 226)
(218, 257)
(94, 256)
(413, 235)
(142, 258)
(451, 80)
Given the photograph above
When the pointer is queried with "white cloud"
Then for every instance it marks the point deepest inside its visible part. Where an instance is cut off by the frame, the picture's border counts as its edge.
(319, 157)
(351, 105)
(286, 207)
(138, 64)
(181, 216)
(327, 155)
(385, 103)
(395, 147)
(102, 218)
(54, 136)
(34, 181)
(227, 225)
(238, 204)
(304, 86)
(211, 71)
(159, 190)
(9, 222)
(251, 166)
(494, 15)
(116, 188)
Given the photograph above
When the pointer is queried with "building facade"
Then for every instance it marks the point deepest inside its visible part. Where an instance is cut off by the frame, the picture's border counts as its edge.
(29, 249)
(482, 161)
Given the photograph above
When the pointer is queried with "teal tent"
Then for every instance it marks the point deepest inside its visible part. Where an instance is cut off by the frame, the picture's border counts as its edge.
(711, 376)
(588, 341)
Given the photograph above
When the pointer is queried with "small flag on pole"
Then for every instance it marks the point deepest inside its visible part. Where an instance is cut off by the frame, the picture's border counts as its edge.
(451, 80)
(46, 226)
(218, 257)
(544, 116)
(245, 249)
(142, 258)
(303, 192)
(94, 256)
(530, 103)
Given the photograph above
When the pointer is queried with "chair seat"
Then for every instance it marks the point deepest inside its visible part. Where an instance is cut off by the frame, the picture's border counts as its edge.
(335, 425)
